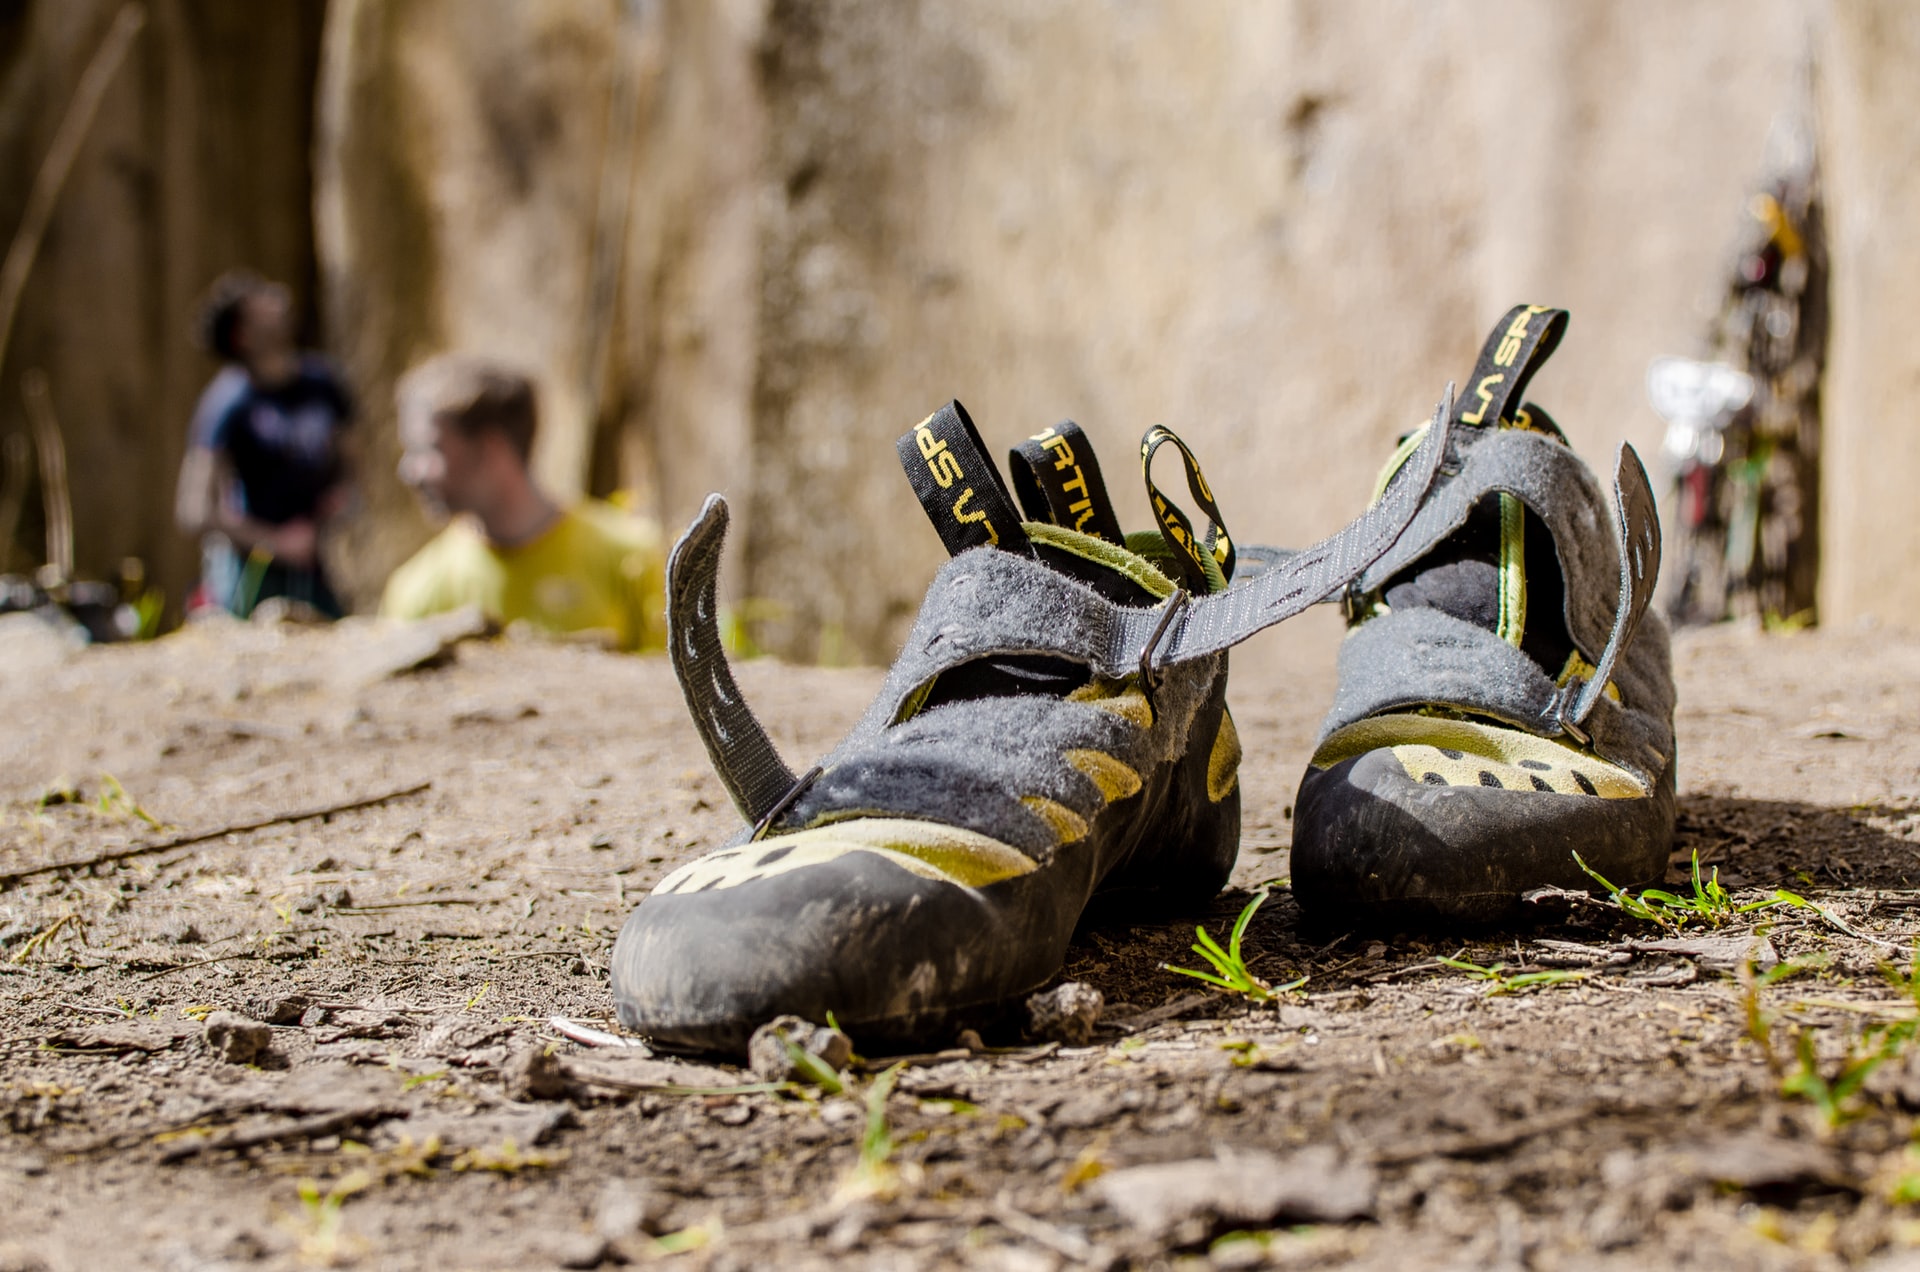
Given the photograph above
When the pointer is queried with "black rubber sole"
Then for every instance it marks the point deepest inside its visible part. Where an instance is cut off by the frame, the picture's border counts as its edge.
(1375, 850)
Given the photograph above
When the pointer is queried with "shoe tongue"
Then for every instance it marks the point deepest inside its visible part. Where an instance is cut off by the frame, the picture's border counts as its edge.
(958, 485)
(1460, 577)
(1492, 572)
(1058, 480)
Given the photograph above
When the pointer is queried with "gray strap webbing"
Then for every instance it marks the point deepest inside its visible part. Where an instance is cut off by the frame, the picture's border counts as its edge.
(1210, 624)
(1070, 618)
(741, 751)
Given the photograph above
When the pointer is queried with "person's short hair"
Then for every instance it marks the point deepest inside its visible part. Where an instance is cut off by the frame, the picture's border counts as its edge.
(222, 309)
(475, 395)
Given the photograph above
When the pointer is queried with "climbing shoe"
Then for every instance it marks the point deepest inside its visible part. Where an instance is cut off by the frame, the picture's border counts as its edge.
(1055, 729)
(1505, 697)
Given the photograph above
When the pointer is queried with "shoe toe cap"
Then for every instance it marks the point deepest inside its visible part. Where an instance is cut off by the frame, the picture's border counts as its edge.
(892, 943)
(1374, 844)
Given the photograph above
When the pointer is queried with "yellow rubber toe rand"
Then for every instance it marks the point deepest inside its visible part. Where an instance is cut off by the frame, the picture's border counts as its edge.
(1442, 752)
(927, 849)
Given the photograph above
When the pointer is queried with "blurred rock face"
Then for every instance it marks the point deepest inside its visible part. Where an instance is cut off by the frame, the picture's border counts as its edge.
(1870, 98)
(745, 243)
(1279, 229)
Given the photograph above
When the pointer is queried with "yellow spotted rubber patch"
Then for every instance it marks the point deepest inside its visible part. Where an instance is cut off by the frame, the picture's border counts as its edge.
(1122, 697)
(1223, 763)
(1067, 825)
(928, 849)
(1442, 752)
(1115, 779)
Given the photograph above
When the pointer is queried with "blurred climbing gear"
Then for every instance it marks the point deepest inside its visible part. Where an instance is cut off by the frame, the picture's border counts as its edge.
(1743, 423)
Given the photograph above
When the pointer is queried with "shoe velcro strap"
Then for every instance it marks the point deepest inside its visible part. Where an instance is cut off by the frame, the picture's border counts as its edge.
(993, 603)
(1293, 583)
(1057, 478)
(1520, 344)
(1557, 487)
(958, 485)
(1422, 657)
(1205, 565)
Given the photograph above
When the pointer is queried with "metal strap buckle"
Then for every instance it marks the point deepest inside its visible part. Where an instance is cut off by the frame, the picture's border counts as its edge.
(1560, 704)
(785, 802)
(1149, 674)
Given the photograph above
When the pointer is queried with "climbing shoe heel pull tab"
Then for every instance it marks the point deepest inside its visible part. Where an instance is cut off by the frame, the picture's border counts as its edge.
(958, 485)
(1206, 565)
(1058, 481)
(1520, 345)
(745, 757)
(1639, 546)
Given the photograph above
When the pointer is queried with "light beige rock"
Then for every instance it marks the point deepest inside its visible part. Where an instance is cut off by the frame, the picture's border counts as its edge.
(1870, 96)
(1279, 229)
(744, 245)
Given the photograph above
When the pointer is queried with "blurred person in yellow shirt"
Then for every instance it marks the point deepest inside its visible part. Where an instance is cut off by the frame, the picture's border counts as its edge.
(466, 428)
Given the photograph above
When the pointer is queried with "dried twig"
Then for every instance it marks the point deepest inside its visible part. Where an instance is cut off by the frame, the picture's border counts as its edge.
(1059, 1240)
(55, 494)
(298, 1128)
(200, 962)
(221, 832)
(587, 1035)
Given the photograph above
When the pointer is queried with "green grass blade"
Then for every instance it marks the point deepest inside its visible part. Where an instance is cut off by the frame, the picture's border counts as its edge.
(1208, 977)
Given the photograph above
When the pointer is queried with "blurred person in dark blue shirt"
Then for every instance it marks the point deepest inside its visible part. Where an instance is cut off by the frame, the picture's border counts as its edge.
(267, 463)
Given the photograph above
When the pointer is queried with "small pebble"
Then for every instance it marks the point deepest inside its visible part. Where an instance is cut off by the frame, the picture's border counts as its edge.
(236, 1039)
(626, 1207)
(577, 1250)
(1065, 1014)
(281, 1009)
(770, 1061)
(534, 1074)
(334, 898)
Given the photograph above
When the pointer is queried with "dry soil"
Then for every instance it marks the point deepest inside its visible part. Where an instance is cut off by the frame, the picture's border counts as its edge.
(406, 1100)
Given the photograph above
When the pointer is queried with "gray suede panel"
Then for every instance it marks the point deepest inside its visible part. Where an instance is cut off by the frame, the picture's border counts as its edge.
(1560, 489)
(1422, 657)
(985, 602)
(969, 764)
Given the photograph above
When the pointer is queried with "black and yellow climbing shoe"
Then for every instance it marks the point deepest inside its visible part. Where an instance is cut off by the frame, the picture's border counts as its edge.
(1505, 698)
(1055, 727)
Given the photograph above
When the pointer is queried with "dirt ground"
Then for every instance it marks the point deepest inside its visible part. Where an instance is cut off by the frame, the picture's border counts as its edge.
(410, 1104)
